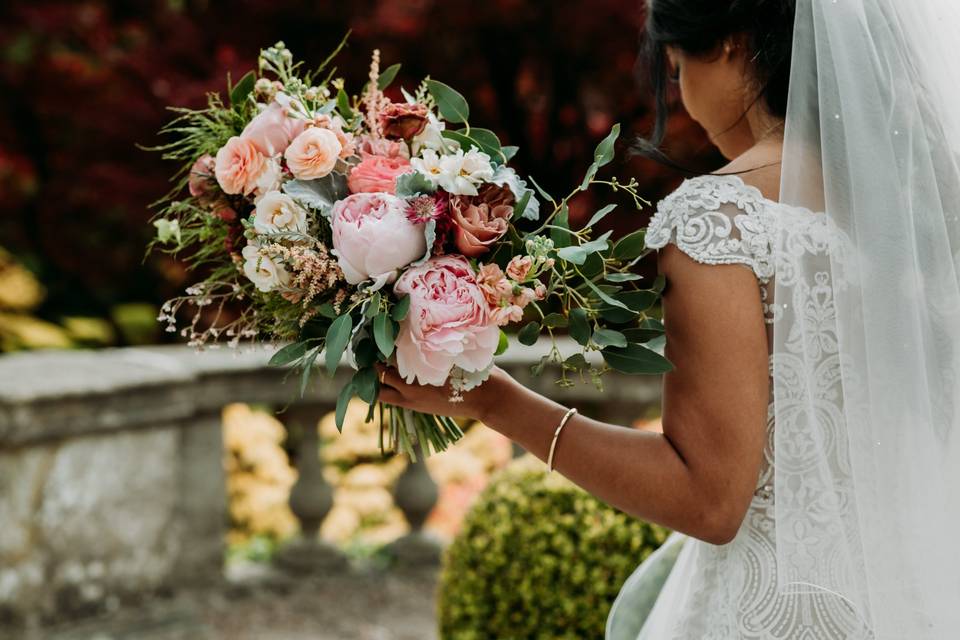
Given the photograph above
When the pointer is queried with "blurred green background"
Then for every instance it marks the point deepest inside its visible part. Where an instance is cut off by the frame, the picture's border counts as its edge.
(85, 82)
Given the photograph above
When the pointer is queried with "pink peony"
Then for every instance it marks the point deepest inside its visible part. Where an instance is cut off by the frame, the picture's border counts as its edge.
(272, 130)
(238, 166)
(372, 237)
(448, 323)
(377, 174)
(313, 154)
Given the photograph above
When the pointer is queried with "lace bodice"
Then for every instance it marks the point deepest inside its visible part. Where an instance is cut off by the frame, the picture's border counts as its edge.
(731, 591)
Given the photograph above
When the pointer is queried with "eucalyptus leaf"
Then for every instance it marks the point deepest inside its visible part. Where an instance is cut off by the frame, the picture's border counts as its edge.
(509, 152)
(555, 320)
(290, 353)
(576, 361)
(538, 368)
(451, 104)
(529, 334)
(622, 277)
(338, 335)
(401, 309)
(384, 335)
(576, 254)
(365, 384)
(580, 326)
(609, 338)
(636, 359)
(602, 155)
(343, 401)
(365, 353)
(521, 205)
(327, 311)
(560, 234)
(600, 215)
(630, 246)
(613, 302)
(373, 306)
(387, 76)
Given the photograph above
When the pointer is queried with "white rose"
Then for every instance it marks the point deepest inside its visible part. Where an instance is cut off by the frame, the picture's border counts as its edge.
(460, 173)
(262, 271)
(277, 212)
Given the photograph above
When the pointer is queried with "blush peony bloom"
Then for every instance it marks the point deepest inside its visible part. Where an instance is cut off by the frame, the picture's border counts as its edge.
(377, 174)
(403, 120)
(372, 237)
(448, 323)
(313, 154)
(272, 130)
(277, 213)
(238, 166)
(478, 226)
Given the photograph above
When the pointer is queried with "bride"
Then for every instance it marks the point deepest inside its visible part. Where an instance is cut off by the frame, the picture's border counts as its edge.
(809, 459)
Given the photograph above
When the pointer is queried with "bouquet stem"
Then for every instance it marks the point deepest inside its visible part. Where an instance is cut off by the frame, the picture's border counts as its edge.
(409, 431)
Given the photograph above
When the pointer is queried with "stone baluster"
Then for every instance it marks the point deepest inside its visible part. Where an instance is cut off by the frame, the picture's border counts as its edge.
(311, 497)
(415, 493)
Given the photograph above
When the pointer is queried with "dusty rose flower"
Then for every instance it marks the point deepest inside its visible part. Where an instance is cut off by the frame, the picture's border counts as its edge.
(503, 316)
(202, 176)
(225, 213)
(372, 237)
(494, 196)
(448, 323)
(478, 225)
(377, 174)
(382, 147)
(313, 154)
(519, 267)
(273, 129)
(238, 166)
(403, 120)
(493, 284)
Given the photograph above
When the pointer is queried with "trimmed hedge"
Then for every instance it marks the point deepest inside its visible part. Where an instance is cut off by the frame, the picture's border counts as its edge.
(538, 558)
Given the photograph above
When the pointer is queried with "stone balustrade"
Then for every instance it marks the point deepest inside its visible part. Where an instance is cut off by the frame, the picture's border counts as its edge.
(111, 473)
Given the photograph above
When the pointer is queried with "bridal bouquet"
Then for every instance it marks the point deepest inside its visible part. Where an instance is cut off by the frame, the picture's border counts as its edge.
(374, 230)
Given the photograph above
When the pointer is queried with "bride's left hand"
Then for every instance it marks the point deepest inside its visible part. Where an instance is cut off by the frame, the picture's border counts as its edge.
(436, 400)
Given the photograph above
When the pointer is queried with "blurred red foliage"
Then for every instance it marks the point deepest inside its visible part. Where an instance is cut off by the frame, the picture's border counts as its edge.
(85, 81)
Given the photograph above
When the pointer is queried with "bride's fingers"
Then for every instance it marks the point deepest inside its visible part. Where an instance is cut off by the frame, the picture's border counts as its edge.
(390, 377)
(389, 395)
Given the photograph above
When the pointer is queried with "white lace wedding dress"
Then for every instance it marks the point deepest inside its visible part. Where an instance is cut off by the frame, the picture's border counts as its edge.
(731, 592)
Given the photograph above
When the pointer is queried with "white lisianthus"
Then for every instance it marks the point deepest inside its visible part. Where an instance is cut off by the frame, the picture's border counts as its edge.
(432, 136)
(462, 172)
(429, 166)
(270, 179)
(277, 213)
(262, 271)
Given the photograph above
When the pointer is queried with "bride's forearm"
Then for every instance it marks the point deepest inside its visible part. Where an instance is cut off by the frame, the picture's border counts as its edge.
(639, 472)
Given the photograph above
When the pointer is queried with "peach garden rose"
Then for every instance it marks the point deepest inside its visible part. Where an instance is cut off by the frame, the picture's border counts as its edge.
(313, 154)
(448, 323)
(238, 166)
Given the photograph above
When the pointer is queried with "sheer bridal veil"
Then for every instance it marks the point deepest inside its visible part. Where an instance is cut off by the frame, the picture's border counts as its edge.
(867, 337)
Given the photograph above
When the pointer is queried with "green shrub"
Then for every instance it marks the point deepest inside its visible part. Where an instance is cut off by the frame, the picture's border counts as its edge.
(538, 558)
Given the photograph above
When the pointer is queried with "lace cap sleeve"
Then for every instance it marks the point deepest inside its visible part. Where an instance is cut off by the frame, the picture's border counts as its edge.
(715, 220)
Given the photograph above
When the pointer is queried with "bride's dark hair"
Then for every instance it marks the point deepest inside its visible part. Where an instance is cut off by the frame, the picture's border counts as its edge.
(699, 27)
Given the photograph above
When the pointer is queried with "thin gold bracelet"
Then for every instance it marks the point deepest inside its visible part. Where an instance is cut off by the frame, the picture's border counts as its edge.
(556, 436)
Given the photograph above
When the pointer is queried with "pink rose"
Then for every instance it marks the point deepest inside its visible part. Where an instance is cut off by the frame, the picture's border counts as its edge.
(519, 267)
(238, 166)
(272, 130)
(372, 237)
(313, 154)
(403, 120)
(377, 174)
(202, 176)
(448, 323)
(478, 225)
